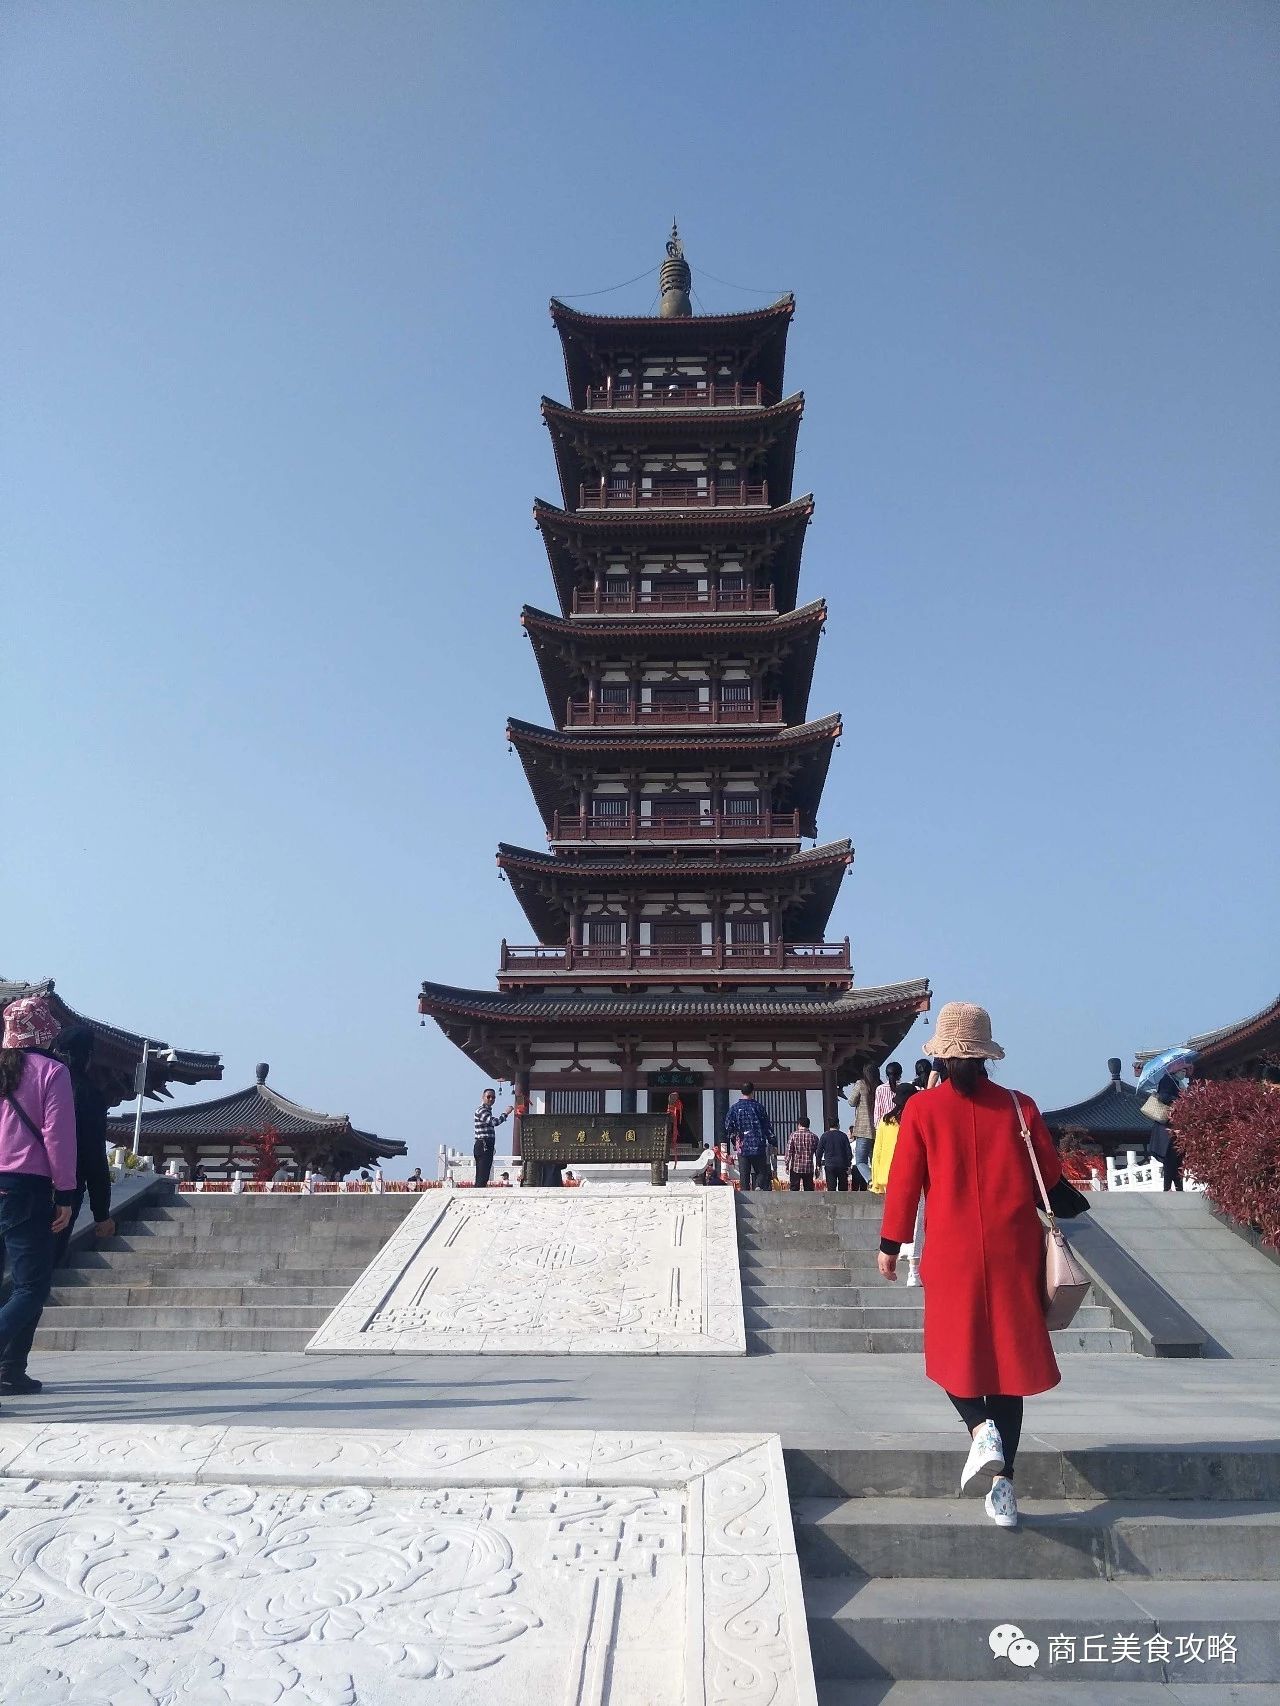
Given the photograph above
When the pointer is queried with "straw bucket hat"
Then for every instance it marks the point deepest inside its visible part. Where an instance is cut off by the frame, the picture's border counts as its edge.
(963, 1032)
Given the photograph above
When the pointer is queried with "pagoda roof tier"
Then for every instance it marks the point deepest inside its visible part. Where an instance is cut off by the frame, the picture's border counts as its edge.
(1232, 1051)
(563, 645)
(756, 341)
(117, 1054)
(807, 883)
(554, 761)
(492, 1028)
(767, 436)
(246, 1112)
(575, 540)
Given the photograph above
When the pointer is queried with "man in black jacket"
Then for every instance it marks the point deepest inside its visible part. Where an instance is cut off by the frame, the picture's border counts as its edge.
(835, 1157)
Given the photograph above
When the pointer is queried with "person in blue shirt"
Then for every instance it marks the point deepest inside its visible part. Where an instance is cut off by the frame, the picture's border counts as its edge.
(748, 1127)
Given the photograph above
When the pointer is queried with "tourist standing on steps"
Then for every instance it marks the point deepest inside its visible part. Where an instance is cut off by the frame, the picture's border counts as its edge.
(750, 1130)
(862, 1099)
(835, 1157)
(885, 1092)
(985, 1339)
(485, 1123)
(37, 1172)
(802, 1149)
(921, 1079)
(886, 1140)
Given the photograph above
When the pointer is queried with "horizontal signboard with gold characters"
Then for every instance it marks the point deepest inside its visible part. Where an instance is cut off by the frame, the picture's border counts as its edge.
(595, 1138)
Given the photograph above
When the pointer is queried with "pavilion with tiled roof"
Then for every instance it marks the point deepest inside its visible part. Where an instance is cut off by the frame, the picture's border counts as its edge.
(214, 1133)
(1242, 1050)
(1112, 1120)
(117, 1053)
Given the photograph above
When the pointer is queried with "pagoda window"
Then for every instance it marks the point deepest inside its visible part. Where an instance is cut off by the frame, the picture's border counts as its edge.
(746, 930)
(608, 805)
(742, 805)
(672, 695)
(735, 692)
(604, 932)
(675, 933)
(784, 1107)
(575, 1101)
(614, 696)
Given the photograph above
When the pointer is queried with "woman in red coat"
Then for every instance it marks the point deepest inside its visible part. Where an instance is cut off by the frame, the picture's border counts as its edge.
(985, 1339)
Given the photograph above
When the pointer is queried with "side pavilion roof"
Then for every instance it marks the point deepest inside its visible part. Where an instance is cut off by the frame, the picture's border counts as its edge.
(247, 1111)
(117, 1053)
(1231, 1047)
(1113, 1114)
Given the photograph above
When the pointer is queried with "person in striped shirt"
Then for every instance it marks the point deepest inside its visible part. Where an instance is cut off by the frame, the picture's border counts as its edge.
(485, 1123)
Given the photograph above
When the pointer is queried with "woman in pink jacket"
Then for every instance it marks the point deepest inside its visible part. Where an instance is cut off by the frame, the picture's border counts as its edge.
(37, 1169)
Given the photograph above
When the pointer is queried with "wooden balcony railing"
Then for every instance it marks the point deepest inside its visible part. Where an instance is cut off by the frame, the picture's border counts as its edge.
(674, 494)
(812, 959)
(674, 826)
(713, 601)
(718, 395)
(589, 714)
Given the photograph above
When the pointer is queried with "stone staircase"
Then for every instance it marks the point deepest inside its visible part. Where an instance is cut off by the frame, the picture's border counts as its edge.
(809, 1281)
(218, 1272)
(904, 1580)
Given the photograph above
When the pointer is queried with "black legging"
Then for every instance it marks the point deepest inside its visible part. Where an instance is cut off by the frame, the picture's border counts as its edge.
(1006, 1413)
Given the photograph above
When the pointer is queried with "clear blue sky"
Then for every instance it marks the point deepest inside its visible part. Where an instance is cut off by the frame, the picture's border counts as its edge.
(275, 330)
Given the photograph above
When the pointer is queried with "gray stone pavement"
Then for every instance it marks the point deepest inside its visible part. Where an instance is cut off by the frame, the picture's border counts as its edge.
(811, 1400)
(1231, 1290)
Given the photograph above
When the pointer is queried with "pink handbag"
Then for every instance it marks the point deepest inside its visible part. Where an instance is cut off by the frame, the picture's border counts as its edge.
(1065, 1281)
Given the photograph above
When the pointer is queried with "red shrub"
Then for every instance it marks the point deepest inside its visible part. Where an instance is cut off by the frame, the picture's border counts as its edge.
(260, 1157)
(1228, 1135)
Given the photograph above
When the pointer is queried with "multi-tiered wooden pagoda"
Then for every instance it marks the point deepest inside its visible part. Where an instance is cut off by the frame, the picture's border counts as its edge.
(679, 921)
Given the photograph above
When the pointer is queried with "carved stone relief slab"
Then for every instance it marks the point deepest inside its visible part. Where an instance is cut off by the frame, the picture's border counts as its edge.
(601, 1271)
(260, 1567)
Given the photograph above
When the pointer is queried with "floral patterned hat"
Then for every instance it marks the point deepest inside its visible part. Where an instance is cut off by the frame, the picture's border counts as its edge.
(29, 1022)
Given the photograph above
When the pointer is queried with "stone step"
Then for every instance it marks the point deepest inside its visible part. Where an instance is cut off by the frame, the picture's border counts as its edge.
(846, 1340)
(886, 1311)
(1246, 1473)
(196, 1296)
(834, 1294)
(797, 1317)
(906, 1629)
(1057, 1540)
(331, 1239)
(1028, 1692)
(148, 1318)
(777, 1256)
(109, 1340)
(222, 1263)
(820, 1276)
(767, 1242)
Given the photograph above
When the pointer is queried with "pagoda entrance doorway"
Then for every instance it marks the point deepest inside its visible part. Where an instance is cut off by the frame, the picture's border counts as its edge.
(690, 1121)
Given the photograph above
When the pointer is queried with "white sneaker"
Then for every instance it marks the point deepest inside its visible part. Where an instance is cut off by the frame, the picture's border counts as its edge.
(1002, 1503)
(913, 1274)
(986, 1454)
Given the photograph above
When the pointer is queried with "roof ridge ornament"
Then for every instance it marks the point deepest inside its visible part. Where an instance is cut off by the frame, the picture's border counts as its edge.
(675, 280)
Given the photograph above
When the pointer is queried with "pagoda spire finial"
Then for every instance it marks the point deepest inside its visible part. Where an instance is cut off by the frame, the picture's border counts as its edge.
(675, 279)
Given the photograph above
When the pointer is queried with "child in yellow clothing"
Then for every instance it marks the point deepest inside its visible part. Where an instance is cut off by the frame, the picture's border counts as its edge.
(887, 1142)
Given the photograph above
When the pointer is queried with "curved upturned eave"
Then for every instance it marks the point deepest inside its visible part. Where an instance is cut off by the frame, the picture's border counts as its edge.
(556, 639)
(679, 528)
(686, 334)
(540, 748)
